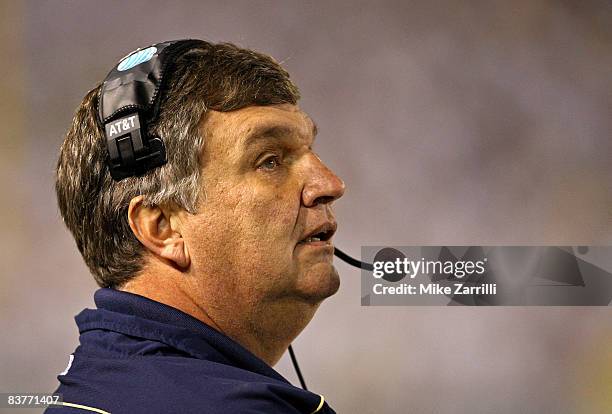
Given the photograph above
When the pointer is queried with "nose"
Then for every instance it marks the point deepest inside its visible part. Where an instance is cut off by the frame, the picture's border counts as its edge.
(322, 186)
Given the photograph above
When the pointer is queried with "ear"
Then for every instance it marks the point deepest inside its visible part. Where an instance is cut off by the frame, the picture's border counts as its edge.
(158, 229)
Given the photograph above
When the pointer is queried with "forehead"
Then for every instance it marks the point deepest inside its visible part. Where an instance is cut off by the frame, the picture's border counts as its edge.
(235, 128)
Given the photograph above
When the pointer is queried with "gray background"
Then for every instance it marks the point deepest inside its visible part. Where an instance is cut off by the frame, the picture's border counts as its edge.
(452, 123)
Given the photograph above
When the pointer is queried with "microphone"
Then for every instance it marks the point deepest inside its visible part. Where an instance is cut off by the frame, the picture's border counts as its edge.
(352, 261)
(387, 254)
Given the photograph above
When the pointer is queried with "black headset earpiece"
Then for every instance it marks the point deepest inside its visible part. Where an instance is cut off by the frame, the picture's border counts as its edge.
(129, 102)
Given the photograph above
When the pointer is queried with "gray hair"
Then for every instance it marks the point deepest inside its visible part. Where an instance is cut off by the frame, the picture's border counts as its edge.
(221, 77)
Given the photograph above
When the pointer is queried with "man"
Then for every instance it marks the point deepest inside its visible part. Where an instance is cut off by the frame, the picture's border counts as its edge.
(210, 264)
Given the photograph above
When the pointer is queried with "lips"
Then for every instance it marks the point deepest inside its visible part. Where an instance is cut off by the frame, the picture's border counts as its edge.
(321, 233)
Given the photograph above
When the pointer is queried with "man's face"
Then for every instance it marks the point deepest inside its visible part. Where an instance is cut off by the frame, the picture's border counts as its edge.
(262, 234)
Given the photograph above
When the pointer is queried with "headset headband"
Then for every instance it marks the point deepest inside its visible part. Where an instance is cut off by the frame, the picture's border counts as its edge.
(129, 102)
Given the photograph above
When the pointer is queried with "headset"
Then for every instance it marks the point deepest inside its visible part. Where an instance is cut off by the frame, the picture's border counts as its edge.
(129, 101)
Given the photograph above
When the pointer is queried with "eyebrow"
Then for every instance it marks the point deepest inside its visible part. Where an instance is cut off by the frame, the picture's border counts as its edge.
(275, 131)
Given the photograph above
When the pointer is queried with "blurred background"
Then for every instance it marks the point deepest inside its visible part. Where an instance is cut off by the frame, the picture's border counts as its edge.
(452, 123)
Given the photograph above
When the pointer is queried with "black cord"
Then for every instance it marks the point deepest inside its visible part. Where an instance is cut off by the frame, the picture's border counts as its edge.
(297, 368)
(351, 261)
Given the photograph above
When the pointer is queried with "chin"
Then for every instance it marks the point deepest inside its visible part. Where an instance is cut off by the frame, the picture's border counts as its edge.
(319, 282)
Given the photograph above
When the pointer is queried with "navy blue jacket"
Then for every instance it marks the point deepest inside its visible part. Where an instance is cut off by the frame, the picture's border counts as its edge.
(140, 356)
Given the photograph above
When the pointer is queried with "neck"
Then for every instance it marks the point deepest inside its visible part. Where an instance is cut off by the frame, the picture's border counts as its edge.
(271, 327)
(167, 290)
(266, 330)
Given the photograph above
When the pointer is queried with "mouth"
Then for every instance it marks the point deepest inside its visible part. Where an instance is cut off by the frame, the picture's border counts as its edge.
(320, 235)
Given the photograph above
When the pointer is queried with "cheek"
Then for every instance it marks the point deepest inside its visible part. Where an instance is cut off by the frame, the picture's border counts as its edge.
(275, 217)
(274, 208)
(248, 230)
(252, 218)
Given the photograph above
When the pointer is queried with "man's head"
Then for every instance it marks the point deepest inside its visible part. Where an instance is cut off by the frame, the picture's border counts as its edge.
(240, 216)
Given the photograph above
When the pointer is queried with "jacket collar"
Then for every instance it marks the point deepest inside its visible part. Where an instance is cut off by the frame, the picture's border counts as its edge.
(140, 317)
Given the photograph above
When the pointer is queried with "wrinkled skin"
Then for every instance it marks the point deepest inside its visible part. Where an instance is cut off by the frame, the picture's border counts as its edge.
(249, 270)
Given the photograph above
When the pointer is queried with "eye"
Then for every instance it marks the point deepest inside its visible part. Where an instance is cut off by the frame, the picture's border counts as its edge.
(270, 163)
